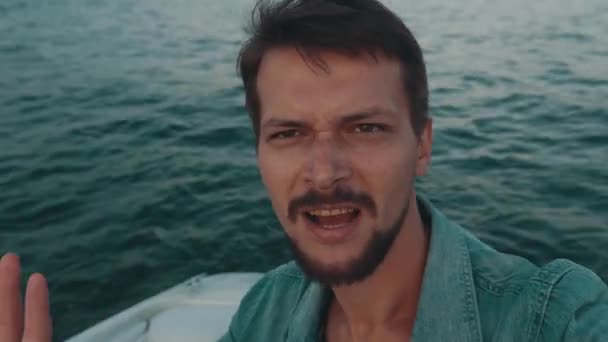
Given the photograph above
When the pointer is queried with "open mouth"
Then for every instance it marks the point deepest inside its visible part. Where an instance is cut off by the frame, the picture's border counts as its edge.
(332, 218)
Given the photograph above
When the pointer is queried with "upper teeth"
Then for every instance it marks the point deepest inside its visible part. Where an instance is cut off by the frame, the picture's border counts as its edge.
(330, 212)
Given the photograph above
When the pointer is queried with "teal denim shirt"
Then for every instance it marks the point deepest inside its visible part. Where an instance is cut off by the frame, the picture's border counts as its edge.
(470, 292)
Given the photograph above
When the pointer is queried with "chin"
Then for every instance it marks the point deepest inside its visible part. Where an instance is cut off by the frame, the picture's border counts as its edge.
(333, 273)
(316, 244)
(338, 270)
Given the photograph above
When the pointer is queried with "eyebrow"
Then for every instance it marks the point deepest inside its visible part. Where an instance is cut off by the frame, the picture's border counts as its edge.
(349, 118)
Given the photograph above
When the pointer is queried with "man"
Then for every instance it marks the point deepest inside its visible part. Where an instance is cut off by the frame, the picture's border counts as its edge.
(338, 97)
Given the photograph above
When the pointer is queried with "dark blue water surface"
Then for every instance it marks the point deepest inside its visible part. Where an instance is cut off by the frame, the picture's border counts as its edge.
(127, 160)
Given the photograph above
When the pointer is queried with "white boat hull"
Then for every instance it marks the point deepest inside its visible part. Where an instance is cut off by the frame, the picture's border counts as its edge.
(197, 310)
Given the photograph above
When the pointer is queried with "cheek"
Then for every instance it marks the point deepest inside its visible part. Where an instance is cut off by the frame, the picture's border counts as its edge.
(388, 176)
(277, 175)
(386, 163)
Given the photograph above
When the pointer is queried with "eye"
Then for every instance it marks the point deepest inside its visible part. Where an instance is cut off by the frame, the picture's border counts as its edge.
(284, 134)
(369, 128)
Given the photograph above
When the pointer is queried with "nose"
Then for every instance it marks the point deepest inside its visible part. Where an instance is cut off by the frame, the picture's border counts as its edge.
(327, 163)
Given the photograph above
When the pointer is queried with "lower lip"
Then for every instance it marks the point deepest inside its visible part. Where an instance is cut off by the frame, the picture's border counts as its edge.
(334, 235)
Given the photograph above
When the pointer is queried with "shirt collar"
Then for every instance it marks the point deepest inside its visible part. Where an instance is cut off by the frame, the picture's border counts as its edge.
(447, 309)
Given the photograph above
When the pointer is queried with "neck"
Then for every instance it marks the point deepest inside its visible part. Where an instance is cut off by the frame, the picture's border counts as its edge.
(389, 297)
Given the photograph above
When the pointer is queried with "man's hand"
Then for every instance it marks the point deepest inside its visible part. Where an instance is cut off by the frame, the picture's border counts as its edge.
(36, 327)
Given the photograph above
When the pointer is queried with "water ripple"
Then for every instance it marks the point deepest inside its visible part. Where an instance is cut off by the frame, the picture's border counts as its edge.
(127, 160)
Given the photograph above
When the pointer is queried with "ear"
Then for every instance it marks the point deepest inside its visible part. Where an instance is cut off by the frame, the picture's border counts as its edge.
(425, 144)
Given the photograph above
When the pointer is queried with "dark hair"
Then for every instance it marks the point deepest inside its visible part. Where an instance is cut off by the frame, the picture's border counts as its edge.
(349, 27)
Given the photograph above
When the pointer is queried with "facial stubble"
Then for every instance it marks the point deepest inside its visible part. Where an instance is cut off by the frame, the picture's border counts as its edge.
(358, 268)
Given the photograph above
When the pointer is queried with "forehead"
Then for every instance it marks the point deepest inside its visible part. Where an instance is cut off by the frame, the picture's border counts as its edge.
(288, 84)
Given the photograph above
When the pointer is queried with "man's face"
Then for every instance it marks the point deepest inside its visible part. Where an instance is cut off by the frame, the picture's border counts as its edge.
(338, 156)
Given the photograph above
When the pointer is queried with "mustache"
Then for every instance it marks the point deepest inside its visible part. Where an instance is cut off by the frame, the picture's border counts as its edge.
(339, 195)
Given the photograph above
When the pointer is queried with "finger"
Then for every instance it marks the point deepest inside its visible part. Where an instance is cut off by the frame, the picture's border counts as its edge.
(11, 308)
(38, 326)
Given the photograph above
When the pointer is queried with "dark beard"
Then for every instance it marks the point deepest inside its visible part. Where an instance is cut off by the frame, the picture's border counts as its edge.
(356, 269)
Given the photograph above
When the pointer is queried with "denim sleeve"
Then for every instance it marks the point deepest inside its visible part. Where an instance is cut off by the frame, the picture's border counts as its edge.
(577, 308)
(245, 316)
(228, 337)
